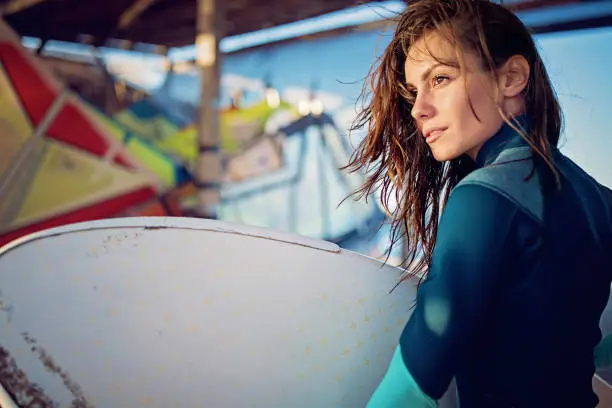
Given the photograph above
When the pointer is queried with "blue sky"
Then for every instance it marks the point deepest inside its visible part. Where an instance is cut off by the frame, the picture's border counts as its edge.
(579, 64)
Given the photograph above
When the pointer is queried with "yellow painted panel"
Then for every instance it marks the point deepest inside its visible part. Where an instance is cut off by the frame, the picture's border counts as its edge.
(15, 127)
(68, 179)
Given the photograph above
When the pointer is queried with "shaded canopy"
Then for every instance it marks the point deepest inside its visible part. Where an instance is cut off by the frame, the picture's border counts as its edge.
(172, 23)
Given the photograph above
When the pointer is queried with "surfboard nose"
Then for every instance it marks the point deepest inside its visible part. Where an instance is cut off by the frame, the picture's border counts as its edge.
(188, 312)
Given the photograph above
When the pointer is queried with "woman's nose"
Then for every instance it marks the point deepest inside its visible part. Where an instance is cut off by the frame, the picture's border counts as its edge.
(422, 107)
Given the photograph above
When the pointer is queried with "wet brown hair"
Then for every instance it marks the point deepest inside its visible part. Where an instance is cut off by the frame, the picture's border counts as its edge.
(396, 158)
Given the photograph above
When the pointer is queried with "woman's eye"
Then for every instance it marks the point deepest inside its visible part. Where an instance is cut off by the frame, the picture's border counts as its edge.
(439, 79)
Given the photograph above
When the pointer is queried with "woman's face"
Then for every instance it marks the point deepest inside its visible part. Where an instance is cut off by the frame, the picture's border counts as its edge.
(441, 94)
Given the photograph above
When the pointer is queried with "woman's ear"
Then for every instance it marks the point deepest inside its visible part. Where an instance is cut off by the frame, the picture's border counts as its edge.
(513, 76)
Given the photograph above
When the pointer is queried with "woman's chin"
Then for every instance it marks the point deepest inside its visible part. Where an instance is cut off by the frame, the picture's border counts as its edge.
(443, 155)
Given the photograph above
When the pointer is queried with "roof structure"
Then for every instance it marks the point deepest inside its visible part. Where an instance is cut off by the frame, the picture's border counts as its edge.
(169, 23)
(172, 23)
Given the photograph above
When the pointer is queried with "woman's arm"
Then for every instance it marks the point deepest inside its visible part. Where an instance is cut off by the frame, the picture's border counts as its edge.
(476, 242)
(398, 388)
(603, 352)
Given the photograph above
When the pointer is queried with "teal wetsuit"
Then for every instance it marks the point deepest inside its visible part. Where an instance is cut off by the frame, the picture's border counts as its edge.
(603, 353)
(519, 278)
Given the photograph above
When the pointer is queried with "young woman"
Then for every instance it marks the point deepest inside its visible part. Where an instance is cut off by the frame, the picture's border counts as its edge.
(463, 122)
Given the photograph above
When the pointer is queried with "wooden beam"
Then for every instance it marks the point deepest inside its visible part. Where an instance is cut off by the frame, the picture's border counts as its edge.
(133, 12)
(15, 6)
(180, 15)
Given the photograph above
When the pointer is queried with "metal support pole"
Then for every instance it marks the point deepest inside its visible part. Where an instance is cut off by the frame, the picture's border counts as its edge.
(323, 184)
(208, 166)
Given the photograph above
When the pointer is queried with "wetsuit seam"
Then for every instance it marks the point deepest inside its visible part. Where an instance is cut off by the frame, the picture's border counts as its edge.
(520, 207)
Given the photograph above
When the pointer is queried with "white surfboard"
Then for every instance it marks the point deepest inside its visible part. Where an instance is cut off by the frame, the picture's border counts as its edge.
(173, 312)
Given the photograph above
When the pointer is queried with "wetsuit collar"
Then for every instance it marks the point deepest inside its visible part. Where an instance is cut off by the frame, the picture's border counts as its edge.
(505, 138)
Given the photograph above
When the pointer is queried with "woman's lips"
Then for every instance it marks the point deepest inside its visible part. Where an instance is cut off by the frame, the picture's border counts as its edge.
(434, 135)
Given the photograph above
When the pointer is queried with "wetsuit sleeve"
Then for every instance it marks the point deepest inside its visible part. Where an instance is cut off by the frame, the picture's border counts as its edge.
(603, 353)
(399, 389)
(476, 241)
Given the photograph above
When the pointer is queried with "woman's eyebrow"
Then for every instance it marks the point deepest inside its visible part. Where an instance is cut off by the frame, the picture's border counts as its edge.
(428, 71)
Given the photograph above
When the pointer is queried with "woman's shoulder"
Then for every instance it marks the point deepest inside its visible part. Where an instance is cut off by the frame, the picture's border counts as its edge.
(516, 180)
